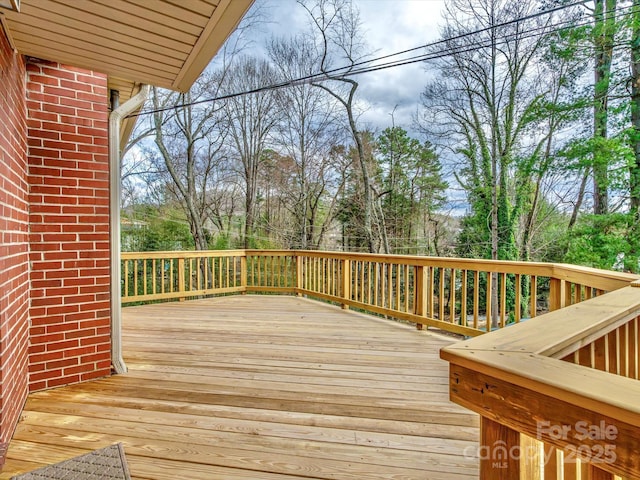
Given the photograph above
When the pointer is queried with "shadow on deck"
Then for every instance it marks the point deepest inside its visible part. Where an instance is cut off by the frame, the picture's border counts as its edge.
(261, 387)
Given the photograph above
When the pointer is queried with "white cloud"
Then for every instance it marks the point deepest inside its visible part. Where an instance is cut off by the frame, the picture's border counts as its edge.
(394, 26)
(390, 26)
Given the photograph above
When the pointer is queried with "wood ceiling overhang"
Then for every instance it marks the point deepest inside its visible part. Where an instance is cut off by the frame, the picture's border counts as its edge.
(166, 43)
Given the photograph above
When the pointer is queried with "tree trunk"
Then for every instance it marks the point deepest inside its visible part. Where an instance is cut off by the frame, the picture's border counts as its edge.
(604, 24)
(249, 203)
(495, 241)
(579, 200)
(633, 261)
(366, 178)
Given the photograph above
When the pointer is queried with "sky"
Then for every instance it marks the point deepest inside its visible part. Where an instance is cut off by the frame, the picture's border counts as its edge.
(390, 26)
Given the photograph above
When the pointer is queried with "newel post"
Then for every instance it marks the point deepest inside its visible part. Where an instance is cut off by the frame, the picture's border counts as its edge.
(557, 294)
(299, 275)
(243, 273)
(420, 293)
(346, 282)
(499, 451)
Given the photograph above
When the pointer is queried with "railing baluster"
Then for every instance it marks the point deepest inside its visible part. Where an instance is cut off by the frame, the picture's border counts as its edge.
(376, 283)
(397, 298)
(241, 280)
(476, 298)
(463, 298)
(172, 280)
(489, 307)
(144, 277)
(360, 286)
(334, 272)
(135, 278)
(441, 280)
(503, 299)
(624, 350)
(518, 300)
(325, 276)
(531, 458)
(634, 348)
(163, 274)
(389, 285)
(404, 287)
(126, 279)
(346, 281)
(618, 351)
(368, 275)
(153, 277)
(420, 293)
(452, 296)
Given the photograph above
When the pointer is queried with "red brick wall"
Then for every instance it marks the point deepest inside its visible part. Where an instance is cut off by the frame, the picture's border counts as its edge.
(14, 260)
(69, 223)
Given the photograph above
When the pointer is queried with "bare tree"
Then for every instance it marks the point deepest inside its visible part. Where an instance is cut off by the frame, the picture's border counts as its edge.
(305, 133)
(490, 106)
(189, 142)
(249, 120)
(188, 158)
(224, 198)
(338, 37)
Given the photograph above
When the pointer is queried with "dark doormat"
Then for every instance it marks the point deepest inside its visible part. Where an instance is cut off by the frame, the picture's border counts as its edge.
(108, 463)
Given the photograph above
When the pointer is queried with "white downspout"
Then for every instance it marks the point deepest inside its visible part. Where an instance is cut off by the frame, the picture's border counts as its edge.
(115, 121)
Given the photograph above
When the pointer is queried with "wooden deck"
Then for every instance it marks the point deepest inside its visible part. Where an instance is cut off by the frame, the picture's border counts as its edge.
(261, 387)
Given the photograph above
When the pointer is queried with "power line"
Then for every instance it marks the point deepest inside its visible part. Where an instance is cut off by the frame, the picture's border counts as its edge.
(334, 74)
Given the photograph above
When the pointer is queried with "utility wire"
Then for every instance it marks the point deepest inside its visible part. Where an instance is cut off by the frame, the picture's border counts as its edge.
(333, 74)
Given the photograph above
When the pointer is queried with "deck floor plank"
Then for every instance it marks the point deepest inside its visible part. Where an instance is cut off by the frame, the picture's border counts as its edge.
(261, 387)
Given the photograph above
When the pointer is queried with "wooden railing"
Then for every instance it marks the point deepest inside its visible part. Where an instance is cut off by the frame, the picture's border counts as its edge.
(559, 395)
(152, 276)
(463, 296)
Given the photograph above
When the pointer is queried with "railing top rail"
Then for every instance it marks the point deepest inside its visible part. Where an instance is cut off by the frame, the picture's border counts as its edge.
(596, 278)
(611, 395)
(561, 332)
(182, 254)
(431, 259)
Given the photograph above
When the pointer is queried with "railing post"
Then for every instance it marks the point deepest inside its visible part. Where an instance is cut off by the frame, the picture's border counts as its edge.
(557, 294)
(243, 273)
(181, 274)
(346, 281)
(299, 275)
(499, 451)
(420, 301)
